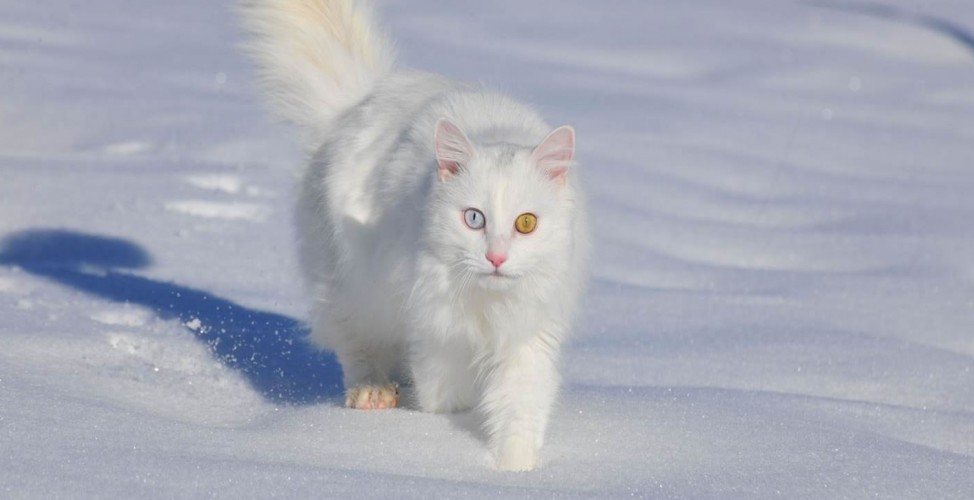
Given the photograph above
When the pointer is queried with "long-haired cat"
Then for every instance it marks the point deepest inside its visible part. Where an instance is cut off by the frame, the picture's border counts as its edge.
(442, 229)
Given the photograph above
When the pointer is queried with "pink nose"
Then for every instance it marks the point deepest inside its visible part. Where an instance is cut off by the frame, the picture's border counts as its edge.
(496, 258)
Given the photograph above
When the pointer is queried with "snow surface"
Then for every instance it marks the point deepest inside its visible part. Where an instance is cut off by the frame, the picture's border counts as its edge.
(782, 300)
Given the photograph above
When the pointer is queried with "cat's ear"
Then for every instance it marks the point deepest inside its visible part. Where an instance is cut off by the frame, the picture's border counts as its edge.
(453, 149)
(554, 154)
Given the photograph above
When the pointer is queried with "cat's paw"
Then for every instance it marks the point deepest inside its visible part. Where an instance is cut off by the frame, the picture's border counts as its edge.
(517, 455)
(373, 397)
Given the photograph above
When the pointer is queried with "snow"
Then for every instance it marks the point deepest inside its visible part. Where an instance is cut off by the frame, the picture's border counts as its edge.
(782, 295)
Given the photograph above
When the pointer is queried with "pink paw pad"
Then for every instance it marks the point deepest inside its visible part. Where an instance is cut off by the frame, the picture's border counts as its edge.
(373, 397)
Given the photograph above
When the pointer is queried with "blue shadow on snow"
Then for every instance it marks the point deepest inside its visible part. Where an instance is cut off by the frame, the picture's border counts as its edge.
(943, 26)
(268, 349)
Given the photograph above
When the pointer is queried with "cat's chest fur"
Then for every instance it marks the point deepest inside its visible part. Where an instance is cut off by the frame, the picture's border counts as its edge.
(445, 305)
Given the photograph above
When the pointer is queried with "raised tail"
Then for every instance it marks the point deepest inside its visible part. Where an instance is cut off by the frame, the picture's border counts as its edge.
(315, 58)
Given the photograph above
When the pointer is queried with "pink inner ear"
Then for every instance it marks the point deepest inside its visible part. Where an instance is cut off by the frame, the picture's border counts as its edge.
(554, 154)
(447, 168)
(453, 149)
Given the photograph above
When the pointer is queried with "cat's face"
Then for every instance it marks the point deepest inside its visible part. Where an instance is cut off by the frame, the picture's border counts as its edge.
(502, 217)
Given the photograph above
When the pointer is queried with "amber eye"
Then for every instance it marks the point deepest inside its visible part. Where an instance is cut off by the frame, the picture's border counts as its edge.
(525, 223)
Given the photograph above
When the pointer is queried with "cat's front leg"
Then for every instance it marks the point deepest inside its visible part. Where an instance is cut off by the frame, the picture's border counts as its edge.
(443, 376)
(519, 392)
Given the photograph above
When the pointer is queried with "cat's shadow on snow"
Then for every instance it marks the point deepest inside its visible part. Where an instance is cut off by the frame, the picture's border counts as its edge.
(269, 349)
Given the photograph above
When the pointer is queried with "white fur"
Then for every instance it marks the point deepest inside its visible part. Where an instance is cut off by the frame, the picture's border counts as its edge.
(315, 58)
(401, 285)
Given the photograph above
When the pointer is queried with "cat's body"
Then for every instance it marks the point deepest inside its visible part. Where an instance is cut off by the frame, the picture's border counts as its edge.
(442, 232)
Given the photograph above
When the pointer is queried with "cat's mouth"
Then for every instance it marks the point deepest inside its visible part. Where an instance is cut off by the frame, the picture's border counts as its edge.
(497, 277)
(497, 274)
(496, 281)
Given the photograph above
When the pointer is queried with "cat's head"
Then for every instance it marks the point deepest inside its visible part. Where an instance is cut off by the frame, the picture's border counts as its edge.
(502, 214)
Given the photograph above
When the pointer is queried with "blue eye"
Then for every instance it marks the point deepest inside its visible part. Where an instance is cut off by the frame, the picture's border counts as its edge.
(474, 218)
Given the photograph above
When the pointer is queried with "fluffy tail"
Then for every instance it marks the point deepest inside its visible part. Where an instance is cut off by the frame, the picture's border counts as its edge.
(315, 58)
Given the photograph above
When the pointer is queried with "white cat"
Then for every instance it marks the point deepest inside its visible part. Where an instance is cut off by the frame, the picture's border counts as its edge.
(442, 231)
